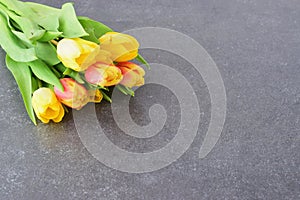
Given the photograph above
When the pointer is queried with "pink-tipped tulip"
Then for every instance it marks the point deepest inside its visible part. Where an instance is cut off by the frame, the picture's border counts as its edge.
(133, 74)
(74, 94)
(103, 74)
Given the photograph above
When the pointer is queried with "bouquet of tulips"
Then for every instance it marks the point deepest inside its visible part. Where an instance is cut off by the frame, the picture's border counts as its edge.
(60, 60)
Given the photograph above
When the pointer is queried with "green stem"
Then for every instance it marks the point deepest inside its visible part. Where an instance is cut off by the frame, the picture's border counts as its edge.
(105, 96)
(40, 84)
(58, 75)
(60, 67)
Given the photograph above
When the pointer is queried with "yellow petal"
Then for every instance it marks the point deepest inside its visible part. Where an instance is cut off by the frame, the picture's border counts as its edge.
(126, 57)
(46, 105)
(44, 120)
(60, 115)
(95, 96)
(68, 48)
(70, 63)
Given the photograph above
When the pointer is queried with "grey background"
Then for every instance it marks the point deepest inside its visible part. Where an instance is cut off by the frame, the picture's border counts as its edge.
(255, 44)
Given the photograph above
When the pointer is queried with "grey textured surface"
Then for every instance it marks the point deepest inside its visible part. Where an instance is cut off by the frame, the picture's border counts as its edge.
(256, 45)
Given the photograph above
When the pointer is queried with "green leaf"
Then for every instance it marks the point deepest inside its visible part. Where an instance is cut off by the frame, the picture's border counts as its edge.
(43, 72)
(47, 52)
(91, 37)
(43, 10)
(57, 73)
(94, 28)
(24, 17)
(48, 17)
(143, 61)
(23, 37)
(22, 75)
(35, 84)
(19, 8)
(102, 88)
(30, 29)
(129, 90)
(73, 74)
(13, 46)
(60, 67)
(49, 22)
(69, 24)
(50, 35)
(125, 90)
(121, 89)
(105, 96)
(3, 11)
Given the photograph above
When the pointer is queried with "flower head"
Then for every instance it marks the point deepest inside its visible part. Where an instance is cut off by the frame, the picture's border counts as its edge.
(74, 94)
(103, 74)
(95, 96)
(122, 47)
(133, 74)
(77, 53)
(46, 105)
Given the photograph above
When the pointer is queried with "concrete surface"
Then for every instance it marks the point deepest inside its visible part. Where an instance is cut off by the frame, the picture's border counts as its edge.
(256, 45)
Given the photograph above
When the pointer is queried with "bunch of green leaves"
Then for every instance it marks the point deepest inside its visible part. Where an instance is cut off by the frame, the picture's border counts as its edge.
(28, 31)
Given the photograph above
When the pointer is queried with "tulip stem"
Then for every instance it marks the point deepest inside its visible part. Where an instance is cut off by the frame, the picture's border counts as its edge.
(65, 108)
(54, 42)
(58, 75)
(125, 90)
(106, 97)
(142, 60)
(60, 67)
(39, 83)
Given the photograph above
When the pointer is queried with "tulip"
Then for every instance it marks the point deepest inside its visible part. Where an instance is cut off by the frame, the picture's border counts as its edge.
(77, 53)
(122, 47)
(74, 94)
(46, 106)
(133, 74)
(103, 74)
(95, 96)
(104, 57)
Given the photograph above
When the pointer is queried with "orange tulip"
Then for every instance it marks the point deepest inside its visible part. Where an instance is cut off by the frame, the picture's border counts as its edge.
(133, 74)
(103, 74)
(74, 94)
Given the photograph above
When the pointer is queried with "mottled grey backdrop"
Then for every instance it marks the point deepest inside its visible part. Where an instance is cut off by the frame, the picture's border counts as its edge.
(256, 45)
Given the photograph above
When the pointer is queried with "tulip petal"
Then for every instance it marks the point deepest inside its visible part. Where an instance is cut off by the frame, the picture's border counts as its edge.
(95, 96)
(44, 120)
(132, 74)
(122, 47)
(60, 115)
(46, 105)
(68, 48)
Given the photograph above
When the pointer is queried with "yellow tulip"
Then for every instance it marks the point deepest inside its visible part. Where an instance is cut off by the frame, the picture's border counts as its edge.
(122, 47)
(103, 57)
(46, 105)
(103, 74)
(76, 53)
(95, 96)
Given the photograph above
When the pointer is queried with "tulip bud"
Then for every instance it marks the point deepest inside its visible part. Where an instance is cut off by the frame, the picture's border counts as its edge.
(103, 74)
(133, 74)
(77, 53)
(103, 57)
(122, 47)
(46, 106)
(95, 96)
(74, 94)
